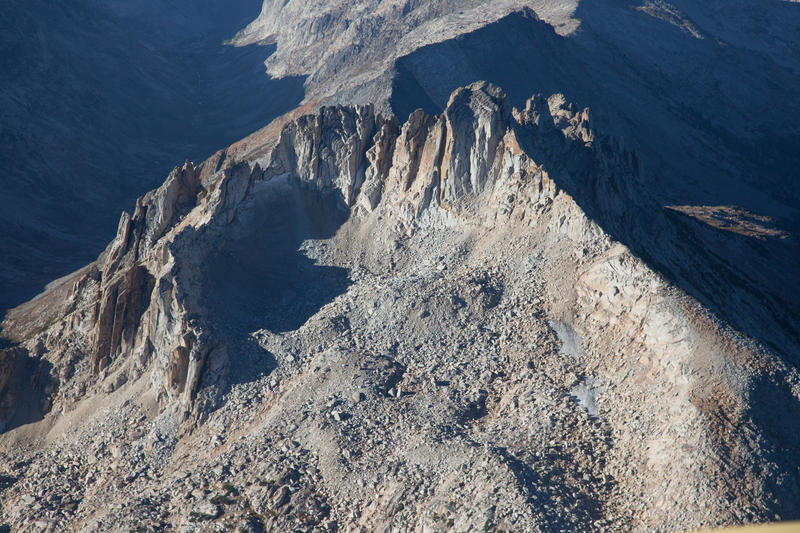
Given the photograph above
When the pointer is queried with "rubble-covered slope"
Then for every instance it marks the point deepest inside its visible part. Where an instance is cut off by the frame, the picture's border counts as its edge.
(392, 326)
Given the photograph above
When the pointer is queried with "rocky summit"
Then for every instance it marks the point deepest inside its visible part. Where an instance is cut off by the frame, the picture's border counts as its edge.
(480, 315)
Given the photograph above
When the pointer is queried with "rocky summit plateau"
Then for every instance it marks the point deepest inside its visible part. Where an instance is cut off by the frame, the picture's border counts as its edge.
(481, 266)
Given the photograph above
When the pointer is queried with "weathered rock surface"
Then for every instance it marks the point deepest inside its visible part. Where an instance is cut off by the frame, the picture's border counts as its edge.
(386, 326)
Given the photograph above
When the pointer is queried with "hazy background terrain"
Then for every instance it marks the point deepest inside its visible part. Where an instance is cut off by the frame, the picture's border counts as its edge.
(98, 101)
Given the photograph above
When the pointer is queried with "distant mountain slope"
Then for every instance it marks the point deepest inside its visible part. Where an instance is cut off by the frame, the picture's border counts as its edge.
(97, 101)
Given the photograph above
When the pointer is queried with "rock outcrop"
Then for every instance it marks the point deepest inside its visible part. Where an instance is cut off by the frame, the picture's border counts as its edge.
(487, 312)
(379, 325)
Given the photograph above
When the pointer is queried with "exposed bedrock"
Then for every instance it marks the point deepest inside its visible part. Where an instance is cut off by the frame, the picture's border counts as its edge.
(452, 280)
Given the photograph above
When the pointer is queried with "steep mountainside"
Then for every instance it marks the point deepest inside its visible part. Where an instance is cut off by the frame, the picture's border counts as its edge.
(421, 302)
(97, 102)
(391, 326)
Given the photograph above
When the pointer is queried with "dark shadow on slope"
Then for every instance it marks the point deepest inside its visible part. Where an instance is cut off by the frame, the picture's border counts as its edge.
(776, 412)
(6, 343)
(27, 387)
(666, 98)
(259, 279)
(99, 100)
(518, 53)
(549, 491)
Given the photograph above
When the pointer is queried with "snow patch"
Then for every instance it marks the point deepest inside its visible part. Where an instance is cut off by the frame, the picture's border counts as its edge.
(570, 341)
(586, 394)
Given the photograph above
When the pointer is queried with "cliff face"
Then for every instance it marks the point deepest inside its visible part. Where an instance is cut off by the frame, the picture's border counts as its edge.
(381, 325)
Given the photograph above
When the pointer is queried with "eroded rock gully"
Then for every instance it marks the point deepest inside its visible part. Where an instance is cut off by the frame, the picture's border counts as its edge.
(385, 326)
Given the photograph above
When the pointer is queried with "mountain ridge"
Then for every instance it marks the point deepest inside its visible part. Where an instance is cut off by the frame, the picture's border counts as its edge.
(419, 301)
(461, 183)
